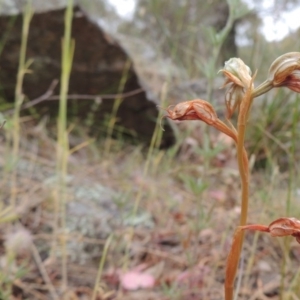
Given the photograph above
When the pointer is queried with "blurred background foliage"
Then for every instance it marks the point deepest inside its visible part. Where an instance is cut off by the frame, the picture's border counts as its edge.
(176, 48)
(175, 42)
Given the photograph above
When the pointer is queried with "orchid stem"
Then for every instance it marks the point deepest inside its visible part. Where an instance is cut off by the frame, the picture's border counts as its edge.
(237, 245)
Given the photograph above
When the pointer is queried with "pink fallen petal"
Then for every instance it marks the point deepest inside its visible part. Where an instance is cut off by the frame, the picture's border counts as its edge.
(218, 195)
(133, 280)
(183, 276)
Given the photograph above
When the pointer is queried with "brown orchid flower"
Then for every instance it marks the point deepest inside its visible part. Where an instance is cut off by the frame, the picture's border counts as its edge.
(284, 68)
(199, 109)
(284, 71)
(193, 110)
(278, 228)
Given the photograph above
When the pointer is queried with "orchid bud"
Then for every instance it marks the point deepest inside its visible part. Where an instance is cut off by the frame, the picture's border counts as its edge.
(238, 77)
(237, 72)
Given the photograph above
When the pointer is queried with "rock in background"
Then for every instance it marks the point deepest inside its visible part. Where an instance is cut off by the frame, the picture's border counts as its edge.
(104, 43)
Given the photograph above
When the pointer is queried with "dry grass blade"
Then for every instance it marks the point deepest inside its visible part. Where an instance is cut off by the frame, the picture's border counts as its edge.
(44, 273)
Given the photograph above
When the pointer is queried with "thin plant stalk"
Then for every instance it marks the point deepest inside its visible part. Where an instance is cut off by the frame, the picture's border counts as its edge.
(116, 106)
(295, 283)
(222, 35)
(101, 265)
(155, 141)
(43, 272)
(157, 134)
(219, 41)
(7, 31)
(19, 97)
(68, 47)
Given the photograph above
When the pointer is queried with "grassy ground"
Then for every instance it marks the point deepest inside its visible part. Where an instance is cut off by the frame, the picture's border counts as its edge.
(180, 233)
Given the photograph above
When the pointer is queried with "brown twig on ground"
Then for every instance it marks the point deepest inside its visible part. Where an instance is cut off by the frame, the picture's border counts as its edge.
(42, 98)
(104, 96)
(27, 288)
(39, 99)
(48, 96)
